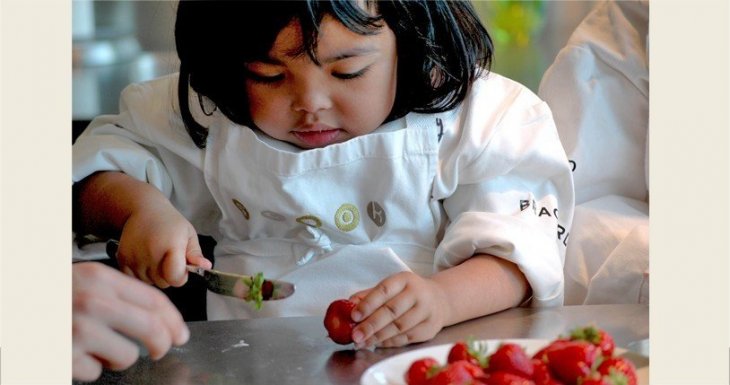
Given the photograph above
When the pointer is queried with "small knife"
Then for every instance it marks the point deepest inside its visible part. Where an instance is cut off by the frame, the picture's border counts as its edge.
(232, 285)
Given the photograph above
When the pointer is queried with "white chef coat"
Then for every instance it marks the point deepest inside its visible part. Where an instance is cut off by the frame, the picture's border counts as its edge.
(421, 193)
(598, 90)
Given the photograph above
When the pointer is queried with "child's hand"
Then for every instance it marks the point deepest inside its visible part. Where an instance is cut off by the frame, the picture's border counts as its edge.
(402, 309)
(156, 244)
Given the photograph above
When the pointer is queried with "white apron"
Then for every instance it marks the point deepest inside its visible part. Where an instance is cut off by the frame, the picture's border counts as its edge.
(331, 220)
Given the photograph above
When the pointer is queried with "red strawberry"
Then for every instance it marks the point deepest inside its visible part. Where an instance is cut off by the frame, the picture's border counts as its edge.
(541, 374)
(511, 358)
(468, 351)
(596, 379)
(506, 378)
(618, 366)
(338, 323)
(458, 373)
(542, 353)
(598, 337)
(571, 360)
(421, 370)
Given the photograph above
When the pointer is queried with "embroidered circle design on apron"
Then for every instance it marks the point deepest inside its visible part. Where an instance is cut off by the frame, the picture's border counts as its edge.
(241, 208)
(273, 216)
(347, 217)
(376, 213)
(310, 220)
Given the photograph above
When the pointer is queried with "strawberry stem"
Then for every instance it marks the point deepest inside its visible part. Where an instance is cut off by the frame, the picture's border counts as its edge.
(588, 333)
(477, 350)
(255, 292)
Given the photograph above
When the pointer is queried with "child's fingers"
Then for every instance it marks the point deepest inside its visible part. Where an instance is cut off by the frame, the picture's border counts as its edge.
(402, 325)
(388, 314)
(128, 271)
(357, 297)
(200, 261)
(141, 273)
(378, 296)
(194, 254)
(157, 277)
(424, 331)
(133, 267)
(172, 268)
(396, 341)
(124, 266)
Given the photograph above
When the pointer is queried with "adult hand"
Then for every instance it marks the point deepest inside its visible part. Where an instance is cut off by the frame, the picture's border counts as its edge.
(109, 306)
(402, 309)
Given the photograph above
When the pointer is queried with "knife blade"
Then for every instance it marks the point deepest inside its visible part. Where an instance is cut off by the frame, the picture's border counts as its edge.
(228, 284)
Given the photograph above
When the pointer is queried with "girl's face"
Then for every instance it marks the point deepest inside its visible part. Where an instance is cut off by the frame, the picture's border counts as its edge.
(349, 94)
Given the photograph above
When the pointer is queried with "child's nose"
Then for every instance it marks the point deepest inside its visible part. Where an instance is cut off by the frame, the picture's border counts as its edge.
(311, 97)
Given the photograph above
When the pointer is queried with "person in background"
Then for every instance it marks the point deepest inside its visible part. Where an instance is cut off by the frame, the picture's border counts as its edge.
(110, 310)
(598, 90)
(358, 149)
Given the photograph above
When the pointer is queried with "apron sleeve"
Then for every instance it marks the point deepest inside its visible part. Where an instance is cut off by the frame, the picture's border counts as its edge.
(148, 141)
(122, 143)
(507, 188)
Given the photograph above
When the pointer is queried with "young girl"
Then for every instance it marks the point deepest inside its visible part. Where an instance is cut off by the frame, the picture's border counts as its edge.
(355, 148)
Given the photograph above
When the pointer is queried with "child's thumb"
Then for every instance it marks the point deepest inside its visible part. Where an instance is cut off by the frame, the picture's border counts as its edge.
(194, 254)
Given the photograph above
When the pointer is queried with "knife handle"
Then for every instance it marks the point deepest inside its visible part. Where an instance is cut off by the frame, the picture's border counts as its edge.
(112, 246)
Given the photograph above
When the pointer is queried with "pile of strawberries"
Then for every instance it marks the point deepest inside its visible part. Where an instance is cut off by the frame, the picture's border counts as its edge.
(585, 357)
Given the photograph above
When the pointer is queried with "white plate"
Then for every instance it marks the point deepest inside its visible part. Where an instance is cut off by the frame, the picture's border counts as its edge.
(391, 371)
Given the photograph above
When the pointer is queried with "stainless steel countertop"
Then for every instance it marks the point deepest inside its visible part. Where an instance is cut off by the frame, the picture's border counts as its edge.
(297, 350)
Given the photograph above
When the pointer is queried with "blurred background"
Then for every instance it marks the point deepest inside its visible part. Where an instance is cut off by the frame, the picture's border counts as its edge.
(119, 42)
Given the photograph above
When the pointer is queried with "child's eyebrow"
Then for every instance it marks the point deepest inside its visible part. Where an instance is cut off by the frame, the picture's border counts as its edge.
(348, 53)
(357, 51)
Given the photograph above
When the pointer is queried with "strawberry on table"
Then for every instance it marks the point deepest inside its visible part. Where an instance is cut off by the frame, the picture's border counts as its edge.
(571, 360)
(511, 358)
(597, 337)
(554, 344)
(541, 374)
(470, 350)
(506, 378)
(458, 373)
(338, 322)
(617, 367)
(596, 379)
(421, 371)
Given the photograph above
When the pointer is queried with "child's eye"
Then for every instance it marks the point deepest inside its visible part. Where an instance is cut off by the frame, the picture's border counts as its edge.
(351, 75)
(260, 75)
(268, 79)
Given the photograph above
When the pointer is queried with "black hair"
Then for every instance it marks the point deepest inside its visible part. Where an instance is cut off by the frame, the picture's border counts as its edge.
(442, 48)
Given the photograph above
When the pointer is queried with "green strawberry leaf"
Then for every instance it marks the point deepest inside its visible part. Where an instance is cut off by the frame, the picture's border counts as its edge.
(255, 292)
(477, 350)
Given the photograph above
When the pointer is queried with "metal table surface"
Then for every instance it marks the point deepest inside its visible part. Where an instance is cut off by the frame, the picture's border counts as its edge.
(297, 350)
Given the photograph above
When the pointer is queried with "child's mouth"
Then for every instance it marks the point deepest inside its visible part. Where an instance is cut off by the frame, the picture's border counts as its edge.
(317, 138)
